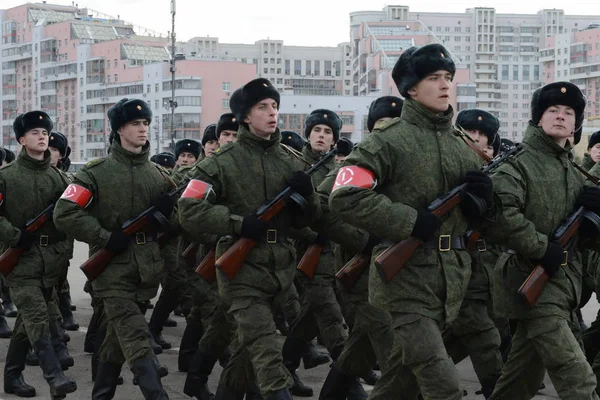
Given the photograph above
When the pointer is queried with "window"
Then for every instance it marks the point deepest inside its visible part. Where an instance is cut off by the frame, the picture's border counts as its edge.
(156, 87)
(317, 64)
(308, 68)
(156, 103)
(226, 86)
(225, 103)
(116, 78)
(505, 72)
(457, 38)
(148, 88)
(447, 29)
(438, 28)
(525, 72)
(287, 67)
(297, 67)
(515, 73)
(536, 72)
(327, 68)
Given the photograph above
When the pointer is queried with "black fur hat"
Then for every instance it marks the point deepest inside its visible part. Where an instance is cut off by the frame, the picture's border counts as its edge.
(482, 121)
(210, 133)
(227, 122)
(244, 98)
(325, 117)
(559, 93)
(59, 142)
(10, 156)
(506, 144)
(188, 146)
(415, 63)
(165, 159)
(31, 120)
(127, 110)
(293, 140)
(344, 146)
(384, 107)
(594, 139)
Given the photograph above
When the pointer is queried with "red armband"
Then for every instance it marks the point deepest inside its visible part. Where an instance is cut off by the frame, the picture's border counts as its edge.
(78, 194)
(354, 176)
(197, 189)
(1, 198)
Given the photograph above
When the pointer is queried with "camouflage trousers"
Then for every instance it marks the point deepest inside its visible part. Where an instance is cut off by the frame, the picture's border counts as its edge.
(591, 343)
(126, 333)
(540, 345)
(291, 305)
(178, 280)
(473, 334)
(418, 361)
(37, 307)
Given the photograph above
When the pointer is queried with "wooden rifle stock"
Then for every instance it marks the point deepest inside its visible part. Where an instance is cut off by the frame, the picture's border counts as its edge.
(206, 269)
(310, 260)
(231, 261)
(393, 259)
(10, 256)
(189, 254)
(353, 270)
(472, 239)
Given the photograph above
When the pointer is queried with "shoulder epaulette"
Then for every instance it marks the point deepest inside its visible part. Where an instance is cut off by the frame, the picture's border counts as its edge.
(95, 162)
(386, 124)
(223, 149)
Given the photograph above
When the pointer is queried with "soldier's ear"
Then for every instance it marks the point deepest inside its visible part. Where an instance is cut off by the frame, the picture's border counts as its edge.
(412, 91)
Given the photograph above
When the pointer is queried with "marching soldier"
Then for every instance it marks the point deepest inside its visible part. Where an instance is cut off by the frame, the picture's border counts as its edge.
(106, 193)
(542, 177)
(343, 150)
(34, 278)
(210, 142)
(413, 160)
(165, 160)
(187, 152)
(227, 127)
(241, 177)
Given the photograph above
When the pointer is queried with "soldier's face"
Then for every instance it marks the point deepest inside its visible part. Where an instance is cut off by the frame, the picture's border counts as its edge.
(54, 156)
(433, 91)
(558, 122)
(35, 140)
(186, 158)
(227, 136)
(340, 158)
(210, 147)
(595, 152)
(482, 141)
(262, 118)
(134, 133)
(321, 138)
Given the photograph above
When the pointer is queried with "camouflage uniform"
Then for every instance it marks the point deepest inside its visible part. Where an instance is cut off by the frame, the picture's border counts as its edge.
(243, 176)
(539, 188)
(426, 145)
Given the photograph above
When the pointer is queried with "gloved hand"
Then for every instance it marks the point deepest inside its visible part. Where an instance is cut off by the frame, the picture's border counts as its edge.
(426, 226)
(372, 241)
(26, 240)
(301, 183)
(553, 258)
(320, 239)
(480, 185)
(590, 198)
(118, 242)
(254, 228)
(165, 204)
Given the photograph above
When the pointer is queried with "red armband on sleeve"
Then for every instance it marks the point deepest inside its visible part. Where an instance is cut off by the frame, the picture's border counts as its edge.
(354, 176)
(78, 194)
(197, 189)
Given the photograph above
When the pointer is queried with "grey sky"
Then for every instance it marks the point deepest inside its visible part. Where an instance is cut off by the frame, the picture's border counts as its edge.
(304, 22)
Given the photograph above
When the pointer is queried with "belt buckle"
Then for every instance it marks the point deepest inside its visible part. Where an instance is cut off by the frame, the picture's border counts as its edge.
(271, 236)
(481, 246)
(44, 240)
(140, 238)
(565, 259)
(441, 239)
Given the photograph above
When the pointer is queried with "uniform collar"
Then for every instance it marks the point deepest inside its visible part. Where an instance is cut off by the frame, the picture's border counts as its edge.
(31, 163)
(539, 140)
(127, 157)
(246, 138)
(587, 162)
(415, 113)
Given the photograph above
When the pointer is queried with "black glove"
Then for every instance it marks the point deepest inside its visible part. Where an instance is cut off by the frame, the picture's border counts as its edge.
(480, 185)
(372, 241)
(165, 204)
(590, 198)
(254, 228)
(426, 226)
(301, 183)
(118, 242)
(320, 239)
(26, 240)
(553, 258)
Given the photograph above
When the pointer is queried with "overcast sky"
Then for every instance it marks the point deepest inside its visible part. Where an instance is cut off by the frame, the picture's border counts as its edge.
(303, 22)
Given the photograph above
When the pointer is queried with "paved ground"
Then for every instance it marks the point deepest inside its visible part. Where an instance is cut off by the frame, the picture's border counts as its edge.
(174, 381)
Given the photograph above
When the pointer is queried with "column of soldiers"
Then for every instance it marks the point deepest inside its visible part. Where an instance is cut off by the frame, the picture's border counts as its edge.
(446, 300)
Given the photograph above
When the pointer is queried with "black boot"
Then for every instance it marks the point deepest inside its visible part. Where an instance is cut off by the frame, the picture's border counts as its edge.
(253, 392)
(31, 358)
(282, 394)
(90, 336)
(189, 344)
(62, 352)
(170, 323)
(59, 384)
(370, 377)
(5, 331)
(300, 389)
(225, 357)
(9, 309)
(162, 309)
(106, 382)
(156, 348)
(197, 377)
(162, 370)
(337, 385)
(146, 374)
(292, 354)
(311, 357)
(65, 310)
(228, 393)
(13, 369)
(179, 312)
(357, 392)
(281, 323)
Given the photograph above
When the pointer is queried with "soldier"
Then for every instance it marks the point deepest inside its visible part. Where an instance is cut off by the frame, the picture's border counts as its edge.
(10, 156)
(106, 193)
(383, 109)
(8, 307)
(210, 142)
(344, 146)
(227, 127)
(415, 159)
(243, 176)
(187, 152)
(542, 177)
(165, 160)
(33, 280)
(293, 140)
(482, 127)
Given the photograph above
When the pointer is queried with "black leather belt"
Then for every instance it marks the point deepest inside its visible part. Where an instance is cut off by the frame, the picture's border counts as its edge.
(275, 236)
(46, 240)
(446, 243)
(568, 255)
(144, 237)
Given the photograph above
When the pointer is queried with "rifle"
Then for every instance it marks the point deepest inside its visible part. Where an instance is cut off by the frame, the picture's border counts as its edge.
(206, 269)
(231, 261)
(96, 264)
(10, 257)
(392, 260)
(534, 285)
(189, 254)
(310, 260)
(353, 270)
